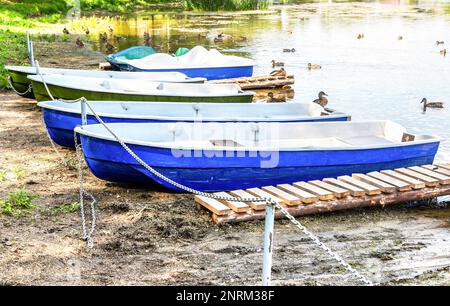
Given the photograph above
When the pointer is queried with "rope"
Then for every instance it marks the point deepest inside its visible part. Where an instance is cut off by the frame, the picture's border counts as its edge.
(11, 86)
(87, 235)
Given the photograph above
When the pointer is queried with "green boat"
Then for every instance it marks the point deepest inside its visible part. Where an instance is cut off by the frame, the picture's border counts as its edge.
(19, 81)
(104, 89)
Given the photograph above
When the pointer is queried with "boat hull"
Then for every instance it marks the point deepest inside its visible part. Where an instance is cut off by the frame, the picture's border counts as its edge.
(60, 92)
(21, 83)
(208, 172)
(214, 73)
(60, 124)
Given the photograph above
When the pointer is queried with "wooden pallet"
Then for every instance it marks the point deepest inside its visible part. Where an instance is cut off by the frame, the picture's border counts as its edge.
(258, 82)
(358, 190)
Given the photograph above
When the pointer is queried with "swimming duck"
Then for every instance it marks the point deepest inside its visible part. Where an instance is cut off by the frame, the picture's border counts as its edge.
(271, 98)
(314, 66)
(439, 42)
(279, 72)
(400, 37)
(322, 101)
(289, 50)
(79, 43)
(65, 31)
(360, 36)
(427, 104)
(277, 64)
(443, 52)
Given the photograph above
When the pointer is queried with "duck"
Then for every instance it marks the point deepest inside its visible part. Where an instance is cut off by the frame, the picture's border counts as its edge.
(289, 50)
(111, 31)
(439, 42)
(79, 43)
(279, 72)
(360, 36)
(271, 98)
(201, 35)
(103, 37)
(277, 64)
(400, 37)
(218, 39)
(314, 66)
(243, 38)
(109, 47)
(86, 30)
(322, 101)
(427, 104)
(65, 31)
(443, 52)
(119, 38)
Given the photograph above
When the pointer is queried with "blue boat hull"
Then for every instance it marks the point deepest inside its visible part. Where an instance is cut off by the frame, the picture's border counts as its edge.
(109, 161)
(60, 125)
(215, 73)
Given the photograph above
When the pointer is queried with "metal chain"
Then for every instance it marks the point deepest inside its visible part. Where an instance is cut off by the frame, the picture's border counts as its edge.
(11, 86)
(268, 201)
(87, 235)
(316, 240)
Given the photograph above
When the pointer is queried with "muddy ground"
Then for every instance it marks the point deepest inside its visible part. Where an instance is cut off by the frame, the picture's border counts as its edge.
(154, 237)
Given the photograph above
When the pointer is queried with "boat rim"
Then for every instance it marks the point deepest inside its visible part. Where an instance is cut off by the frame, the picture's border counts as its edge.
(240, 93)
(430, 139)
(48, 105)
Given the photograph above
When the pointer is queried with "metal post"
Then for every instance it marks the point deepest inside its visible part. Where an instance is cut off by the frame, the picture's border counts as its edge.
(32, 53)
(83, 112)
(268, 244)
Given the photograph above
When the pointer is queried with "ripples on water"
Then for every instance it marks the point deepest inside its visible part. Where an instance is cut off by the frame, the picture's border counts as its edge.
(378, 77)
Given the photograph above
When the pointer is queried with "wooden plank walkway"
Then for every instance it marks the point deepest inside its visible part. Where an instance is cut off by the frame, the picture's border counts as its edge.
(259, 82)
(358, 190)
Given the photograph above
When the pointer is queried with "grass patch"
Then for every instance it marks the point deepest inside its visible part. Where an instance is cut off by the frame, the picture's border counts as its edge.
(66, 208)
(20, 172)
(16, 202)
(3, 176)
(13, 51)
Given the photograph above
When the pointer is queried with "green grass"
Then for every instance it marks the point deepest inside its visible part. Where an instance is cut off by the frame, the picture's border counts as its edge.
(19, 172)
(17, 201)
(66, 208)
(226, 5)
(3, 176)
(12, 51)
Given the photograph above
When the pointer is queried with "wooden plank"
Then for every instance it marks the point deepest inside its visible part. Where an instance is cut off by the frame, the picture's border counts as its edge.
(354, 191)
(429, 181)
(213, 205)
(234, 205)
(415, 184)
(287, 198)
(443, 179)
(369, 189)
(437, 169)
(445, 166)
(264, 194)
(323, 194)
(384, 187)
(306, 197)
(400, 185)
(244, 194)
(337, 191)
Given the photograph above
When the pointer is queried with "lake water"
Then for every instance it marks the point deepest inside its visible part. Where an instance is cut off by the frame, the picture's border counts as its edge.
(378, 77)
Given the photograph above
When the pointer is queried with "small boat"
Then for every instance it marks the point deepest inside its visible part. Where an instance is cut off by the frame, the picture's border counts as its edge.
(107, 89)
(20, 81)
(229, 156)
(198, 62)
(61, 118)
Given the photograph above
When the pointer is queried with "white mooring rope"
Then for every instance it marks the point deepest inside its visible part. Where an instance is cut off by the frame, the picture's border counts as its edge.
(87, 234)
(11, 86)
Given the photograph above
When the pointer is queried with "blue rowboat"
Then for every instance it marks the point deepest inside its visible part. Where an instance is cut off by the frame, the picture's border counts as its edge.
(198, 62)
(228, 156)
(61, 118)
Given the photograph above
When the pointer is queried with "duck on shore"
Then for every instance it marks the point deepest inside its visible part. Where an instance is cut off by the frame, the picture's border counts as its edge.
(103, 37)
(79, 43)
(443, 52)
(86, 30)
(427, 104)
(279, 72)
(360, 36)
(65, 31)
(314, 66)
(277, 64)
(322, 101)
